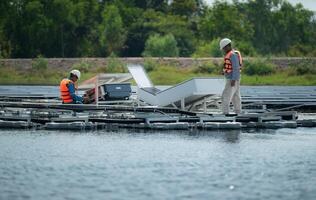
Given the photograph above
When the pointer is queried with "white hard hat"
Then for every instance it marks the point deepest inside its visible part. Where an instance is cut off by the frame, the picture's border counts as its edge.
(76, 73)
(224, 42)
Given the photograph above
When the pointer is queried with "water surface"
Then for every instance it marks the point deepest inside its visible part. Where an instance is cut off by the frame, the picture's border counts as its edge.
(269, 164)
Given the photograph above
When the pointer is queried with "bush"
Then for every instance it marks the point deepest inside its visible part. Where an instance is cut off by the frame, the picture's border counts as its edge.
(40, 63)
(203, 69)
(150, 64)
(101, 69)
(207, 68)
(301, 70)
(296, 51)
(305, 67)
(83, 66)
(161, 46)
(210, 49)
(301, 50)
(258, 67)
(245, 48)
(114, 65)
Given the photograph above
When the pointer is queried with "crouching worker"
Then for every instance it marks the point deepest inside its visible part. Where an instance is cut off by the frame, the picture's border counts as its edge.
(68, 89)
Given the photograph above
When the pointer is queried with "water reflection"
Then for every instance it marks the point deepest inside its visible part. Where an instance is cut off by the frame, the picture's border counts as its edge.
(232, 136)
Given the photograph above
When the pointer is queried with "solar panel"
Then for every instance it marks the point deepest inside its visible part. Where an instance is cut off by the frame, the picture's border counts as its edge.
(139, 75)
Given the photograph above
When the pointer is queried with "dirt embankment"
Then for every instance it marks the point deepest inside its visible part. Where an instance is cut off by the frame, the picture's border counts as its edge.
(67, 63)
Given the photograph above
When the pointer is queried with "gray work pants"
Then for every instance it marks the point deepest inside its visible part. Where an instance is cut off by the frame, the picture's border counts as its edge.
(231, 94)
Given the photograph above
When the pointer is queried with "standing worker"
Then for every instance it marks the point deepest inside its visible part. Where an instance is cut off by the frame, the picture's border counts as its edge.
(232, 68)
(68, 89)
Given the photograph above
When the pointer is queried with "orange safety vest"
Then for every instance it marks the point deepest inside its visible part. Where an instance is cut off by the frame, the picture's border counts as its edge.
(64, 91)
(228, 68)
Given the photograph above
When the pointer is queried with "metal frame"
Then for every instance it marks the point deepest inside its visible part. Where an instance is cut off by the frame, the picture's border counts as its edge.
(183, 95)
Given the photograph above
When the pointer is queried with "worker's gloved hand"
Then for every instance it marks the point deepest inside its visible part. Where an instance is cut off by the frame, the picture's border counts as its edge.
(86, 99)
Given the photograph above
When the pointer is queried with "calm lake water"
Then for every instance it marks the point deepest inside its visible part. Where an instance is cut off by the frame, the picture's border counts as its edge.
(127, 164)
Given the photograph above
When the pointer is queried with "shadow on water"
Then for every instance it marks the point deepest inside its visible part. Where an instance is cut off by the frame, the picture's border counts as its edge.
(229, 136)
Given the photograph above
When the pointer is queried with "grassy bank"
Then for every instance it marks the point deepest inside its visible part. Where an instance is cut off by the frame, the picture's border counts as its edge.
(10, 76)
(256, 72)
(172, 76)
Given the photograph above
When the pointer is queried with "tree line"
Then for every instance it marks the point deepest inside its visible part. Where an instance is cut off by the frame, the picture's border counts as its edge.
(128, 28)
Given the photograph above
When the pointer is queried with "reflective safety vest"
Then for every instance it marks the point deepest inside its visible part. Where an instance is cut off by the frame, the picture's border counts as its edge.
(228, 67)
(64, 91)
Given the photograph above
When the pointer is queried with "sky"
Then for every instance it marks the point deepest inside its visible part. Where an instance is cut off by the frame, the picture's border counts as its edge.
(310, 4)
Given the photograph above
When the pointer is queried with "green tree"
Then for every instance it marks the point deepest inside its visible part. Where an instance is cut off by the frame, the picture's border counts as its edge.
(293, 29)
(260, 14)
(152, 4)
(86, 16)
(25, 39)
(245, 48)
(161, 46)
(5, 48)
(75, 28)
(60, 27)
(133, 22)
(37, 27)
(112, 32)
(178, 26)
(186, 8)
(224, 20)
(209, 49)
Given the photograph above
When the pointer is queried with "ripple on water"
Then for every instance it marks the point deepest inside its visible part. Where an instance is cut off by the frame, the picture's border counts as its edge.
(271, 164)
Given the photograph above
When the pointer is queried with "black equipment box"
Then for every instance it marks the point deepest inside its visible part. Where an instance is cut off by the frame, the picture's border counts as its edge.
(116, 91)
